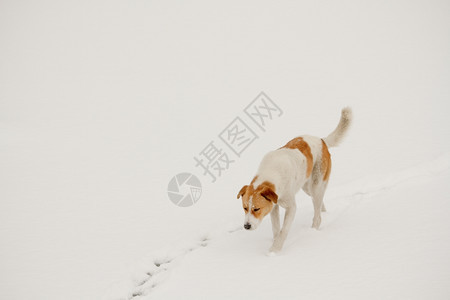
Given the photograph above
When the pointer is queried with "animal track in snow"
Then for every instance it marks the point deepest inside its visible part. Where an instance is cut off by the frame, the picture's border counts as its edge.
(160, 267)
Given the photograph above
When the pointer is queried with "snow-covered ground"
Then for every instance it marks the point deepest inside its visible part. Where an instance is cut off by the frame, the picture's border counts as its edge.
(103, 102)
(380, 240)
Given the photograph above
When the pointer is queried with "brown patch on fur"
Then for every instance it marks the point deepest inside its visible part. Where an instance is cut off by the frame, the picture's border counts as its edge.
(263, 198)
(303, 147)
(246, 187)
(325, 167)
(245, 193)
(242, 191)
(267, 190)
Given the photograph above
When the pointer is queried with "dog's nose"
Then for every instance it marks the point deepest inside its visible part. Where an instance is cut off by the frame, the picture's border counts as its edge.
(247, 226)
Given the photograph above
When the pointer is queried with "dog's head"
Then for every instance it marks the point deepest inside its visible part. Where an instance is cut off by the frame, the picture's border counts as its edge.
(257, 202)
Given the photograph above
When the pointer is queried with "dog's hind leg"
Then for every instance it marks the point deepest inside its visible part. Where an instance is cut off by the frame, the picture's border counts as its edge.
(275, 218)
(318, 192)
(318, 203)
(323, 209)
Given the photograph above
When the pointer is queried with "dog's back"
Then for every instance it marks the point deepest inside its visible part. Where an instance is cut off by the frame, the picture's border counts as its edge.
(304, 162)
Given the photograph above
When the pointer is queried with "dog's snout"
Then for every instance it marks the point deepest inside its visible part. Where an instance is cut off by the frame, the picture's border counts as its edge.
(247, 226)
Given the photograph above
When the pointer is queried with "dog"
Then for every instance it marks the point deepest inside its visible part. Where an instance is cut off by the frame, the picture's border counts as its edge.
(304, 162)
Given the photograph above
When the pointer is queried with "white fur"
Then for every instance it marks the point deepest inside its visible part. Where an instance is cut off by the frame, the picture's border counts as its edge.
(336, 137)
(286, 169)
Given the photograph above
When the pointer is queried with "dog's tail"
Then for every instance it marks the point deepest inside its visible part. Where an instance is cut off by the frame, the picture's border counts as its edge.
(336, 137)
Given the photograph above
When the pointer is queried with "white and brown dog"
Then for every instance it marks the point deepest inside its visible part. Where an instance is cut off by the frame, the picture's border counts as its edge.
(303, 162)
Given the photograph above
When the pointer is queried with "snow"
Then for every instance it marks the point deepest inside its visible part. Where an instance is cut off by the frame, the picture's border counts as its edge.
(103, 102)
(384, 243)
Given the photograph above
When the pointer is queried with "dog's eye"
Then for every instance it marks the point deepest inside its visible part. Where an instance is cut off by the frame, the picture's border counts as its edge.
(256, 209)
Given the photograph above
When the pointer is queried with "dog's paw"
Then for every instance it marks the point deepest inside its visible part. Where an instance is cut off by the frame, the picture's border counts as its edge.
(271, 254)
(316, 223)
(275, 249)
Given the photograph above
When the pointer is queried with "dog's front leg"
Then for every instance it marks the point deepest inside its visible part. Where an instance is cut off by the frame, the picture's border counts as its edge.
(281, 237)
(275, 218)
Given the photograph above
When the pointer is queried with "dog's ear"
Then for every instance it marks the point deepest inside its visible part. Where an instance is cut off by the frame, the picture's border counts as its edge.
(269, 194)
(242, 191)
